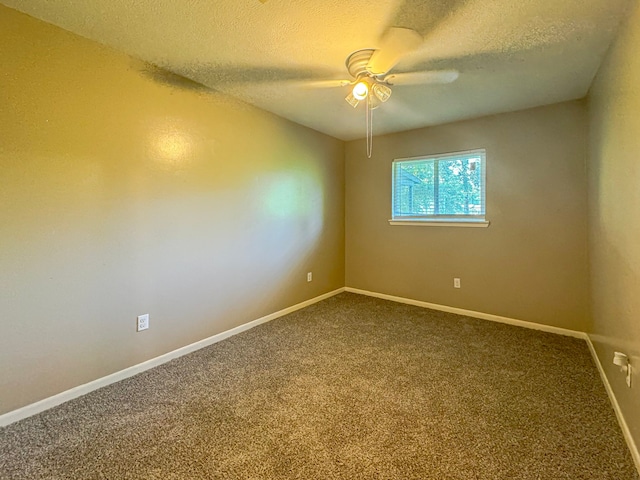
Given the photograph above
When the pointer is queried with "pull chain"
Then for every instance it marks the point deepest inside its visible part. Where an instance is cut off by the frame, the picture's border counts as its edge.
(369, 114)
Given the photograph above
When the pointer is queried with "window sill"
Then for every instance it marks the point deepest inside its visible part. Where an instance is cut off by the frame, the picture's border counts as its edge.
(441, 223)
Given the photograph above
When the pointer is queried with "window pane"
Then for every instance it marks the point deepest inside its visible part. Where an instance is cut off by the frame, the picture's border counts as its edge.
(460, 187)
(414, 188)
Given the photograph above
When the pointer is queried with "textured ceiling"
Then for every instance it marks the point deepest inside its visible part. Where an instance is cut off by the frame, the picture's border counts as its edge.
(510, 55)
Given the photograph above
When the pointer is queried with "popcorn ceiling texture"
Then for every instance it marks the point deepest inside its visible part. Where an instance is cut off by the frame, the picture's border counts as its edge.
(350, 388)
(511, 55)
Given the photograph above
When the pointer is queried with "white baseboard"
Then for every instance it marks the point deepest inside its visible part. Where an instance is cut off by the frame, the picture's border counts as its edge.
(80, 390)
(616, 407)
(472, 313)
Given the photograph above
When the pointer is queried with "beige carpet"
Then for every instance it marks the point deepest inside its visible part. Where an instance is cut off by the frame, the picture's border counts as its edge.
(350, 388)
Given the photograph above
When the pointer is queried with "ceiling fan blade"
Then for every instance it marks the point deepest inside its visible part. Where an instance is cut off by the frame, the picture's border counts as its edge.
(324, 83)
(424, 16)
(416, 78)
(299, 85)
(395, 44)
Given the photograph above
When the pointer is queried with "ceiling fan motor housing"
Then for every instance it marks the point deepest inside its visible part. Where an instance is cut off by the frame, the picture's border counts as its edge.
(357, 62)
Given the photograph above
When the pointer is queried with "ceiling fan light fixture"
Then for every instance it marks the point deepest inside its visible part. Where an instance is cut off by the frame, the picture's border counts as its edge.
(360, 90)
(381, 92)
(351, 100)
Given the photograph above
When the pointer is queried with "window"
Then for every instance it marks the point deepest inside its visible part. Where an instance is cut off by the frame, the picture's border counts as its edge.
(440, 189)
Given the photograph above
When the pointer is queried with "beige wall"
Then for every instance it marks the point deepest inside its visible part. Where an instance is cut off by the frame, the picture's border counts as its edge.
(121, 196)
(614, 214)
(529, 264)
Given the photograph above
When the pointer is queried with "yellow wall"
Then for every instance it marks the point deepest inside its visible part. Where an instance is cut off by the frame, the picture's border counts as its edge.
(122, 195)
(614, 214)
(529, 264)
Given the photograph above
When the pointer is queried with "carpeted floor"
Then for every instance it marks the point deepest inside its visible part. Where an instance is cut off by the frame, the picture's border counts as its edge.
(350, 388)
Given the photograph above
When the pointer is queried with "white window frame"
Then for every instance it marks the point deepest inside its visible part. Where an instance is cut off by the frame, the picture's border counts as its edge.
(441, 219)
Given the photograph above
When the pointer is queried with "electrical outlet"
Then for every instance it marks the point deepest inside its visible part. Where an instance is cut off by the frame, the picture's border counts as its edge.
(143, 322)
(456, 283)
(622, 360)
(309, 276)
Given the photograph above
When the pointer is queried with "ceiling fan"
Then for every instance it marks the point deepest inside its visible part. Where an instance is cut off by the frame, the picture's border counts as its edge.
(370, 69)
(372, 78)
